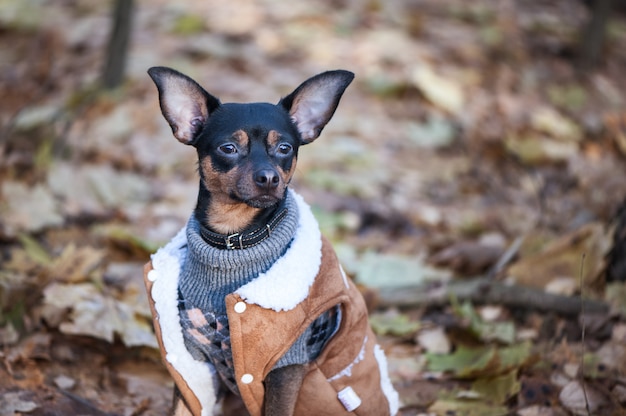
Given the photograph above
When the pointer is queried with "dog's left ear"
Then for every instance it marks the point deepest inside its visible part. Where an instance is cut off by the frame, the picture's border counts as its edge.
(314, 102)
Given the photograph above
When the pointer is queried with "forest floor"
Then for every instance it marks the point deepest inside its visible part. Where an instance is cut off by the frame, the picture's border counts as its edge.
(470, 181)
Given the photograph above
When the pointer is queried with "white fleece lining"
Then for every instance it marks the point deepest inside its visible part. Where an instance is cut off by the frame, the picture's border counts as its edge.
(199, 375)
(282, 287)
(287, 282)
(385, 383)
(347, 372)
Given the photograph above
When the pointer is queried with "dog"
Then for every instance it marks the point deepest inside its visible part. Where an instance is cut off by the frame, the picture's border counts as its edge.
(249, 300)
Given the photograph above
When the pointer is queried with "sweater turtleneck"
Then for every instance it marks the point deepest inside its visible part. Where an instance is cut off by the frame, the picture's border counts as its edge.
(209, 274)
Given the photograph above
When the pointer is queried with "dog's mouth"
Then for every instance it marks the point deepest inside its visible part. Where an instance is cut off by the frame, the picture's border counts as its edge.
(263, 201)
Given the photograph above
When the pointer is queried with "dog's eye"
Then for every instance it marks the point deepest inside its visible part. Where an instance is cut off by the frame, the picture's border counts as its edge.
(228, 149)
(284, 148)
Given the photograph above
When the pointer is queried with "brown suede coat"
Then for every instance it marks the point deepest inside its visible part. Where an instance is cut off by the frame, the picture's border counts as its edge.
(347, 361)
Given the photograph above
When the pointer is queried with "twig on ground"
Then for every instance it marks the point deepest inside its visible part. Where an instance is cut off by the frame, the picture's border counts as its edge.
(484, 290)
(506, 257)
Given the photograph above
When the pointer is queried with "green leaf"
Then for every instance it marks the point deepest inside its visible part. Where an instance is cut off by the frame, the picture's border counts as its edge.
(393, 323)
(487, 331)
(436, 132)
(483, 361)
(34, 250)
(514, 356)
(498, 389)
(388, 270)
(465, 362)
(188, 25)
(464, 407)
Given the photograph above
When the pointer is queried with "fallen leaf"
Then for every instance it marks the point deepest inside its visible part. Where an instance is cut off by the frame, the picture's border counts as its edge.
(564, 256)
(550, 121)
(188, 25)
(405, 368)
(436, 132)
(487, 331)
(562, 286)
(616, 295)
(95, 314)
(441, 91)
(470, 362)
(468, 257)
(12, 403)
(75, 264)
(466, 407)
(540, 411)
(64, 382)
(578, 399)
(388, 270)
(95, 189)
(393, 322)
(535, 150)
(434, 340)
(20, 14)
(464, 362)
(332, 223)
(572, 97)
(35, 116)
(34, 250)
(498, 389)
(27, 209)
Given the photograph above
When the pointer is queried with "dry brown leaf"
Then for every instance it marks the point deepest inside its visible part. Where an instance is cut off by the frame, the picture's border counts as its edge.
(99, 315)
(12, 403)
(444, 92)
(27, 209)
(468, 257)
(540, 411)
(434, 340)
(563, 258)
(577, 399)
(75, 264)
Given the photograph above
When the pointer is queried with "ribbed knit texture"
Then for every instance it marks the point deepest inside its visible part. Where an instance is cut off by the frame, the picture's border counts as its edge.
(209, 274)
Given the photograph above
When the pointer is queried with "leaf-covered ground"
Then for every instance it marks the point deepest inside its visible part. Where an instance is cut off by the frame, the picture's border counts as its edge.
(470, 181)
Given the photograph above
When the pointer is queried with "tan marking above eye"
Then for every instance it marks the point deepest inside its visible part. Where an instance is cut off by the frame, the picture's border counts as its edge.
(242, 139)
(273, 137)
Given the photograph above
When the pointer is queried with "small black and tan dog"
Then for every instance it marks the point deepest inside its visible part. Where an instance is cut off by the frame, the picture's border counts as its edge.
(313, 354)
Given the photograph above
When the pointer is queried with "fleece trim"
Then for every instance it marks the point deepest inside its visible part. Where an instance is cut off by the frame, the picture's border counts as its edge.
(385, 382)
(164, 275)
(288, 281)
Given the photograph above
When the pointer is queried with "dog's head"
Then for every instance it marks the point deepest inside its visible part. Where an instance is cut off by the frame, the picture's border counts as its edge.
(247, 152)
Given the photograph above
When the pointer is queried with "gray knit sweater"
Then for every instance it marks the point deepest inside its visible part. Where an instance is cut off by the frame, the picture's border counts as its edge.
(209, 274)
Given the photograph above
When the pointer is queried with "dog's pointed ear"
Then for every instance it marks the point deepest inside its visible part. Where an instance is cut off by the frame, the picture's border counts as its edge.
(314, 102)
(185, 105)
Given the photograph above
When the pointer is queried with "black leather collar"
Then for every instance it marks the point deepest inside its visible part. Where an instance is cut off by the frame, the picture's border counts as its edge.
(239, 241)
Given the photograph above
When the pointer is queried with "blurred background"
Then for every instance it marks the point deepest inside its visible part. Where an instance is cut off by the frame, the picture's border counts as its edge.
(471, 181)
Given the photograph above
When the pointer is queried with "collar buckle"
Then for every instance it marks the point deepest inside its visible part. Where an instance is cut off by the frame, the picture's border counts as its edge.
(229, 242)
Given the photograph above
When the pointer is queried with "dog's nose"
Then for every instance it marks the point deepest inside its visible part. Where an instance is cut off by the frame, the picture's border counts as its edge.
(266, 178)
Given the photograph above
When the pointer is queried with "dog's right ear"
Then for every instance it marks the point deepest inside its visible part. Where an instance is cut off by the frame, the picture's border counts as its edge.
(185, 105)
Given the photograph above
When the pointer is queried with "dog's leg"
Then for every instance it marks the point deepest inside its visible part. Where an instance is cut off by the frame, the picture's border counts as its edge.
(179, 408)
(281, 390)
